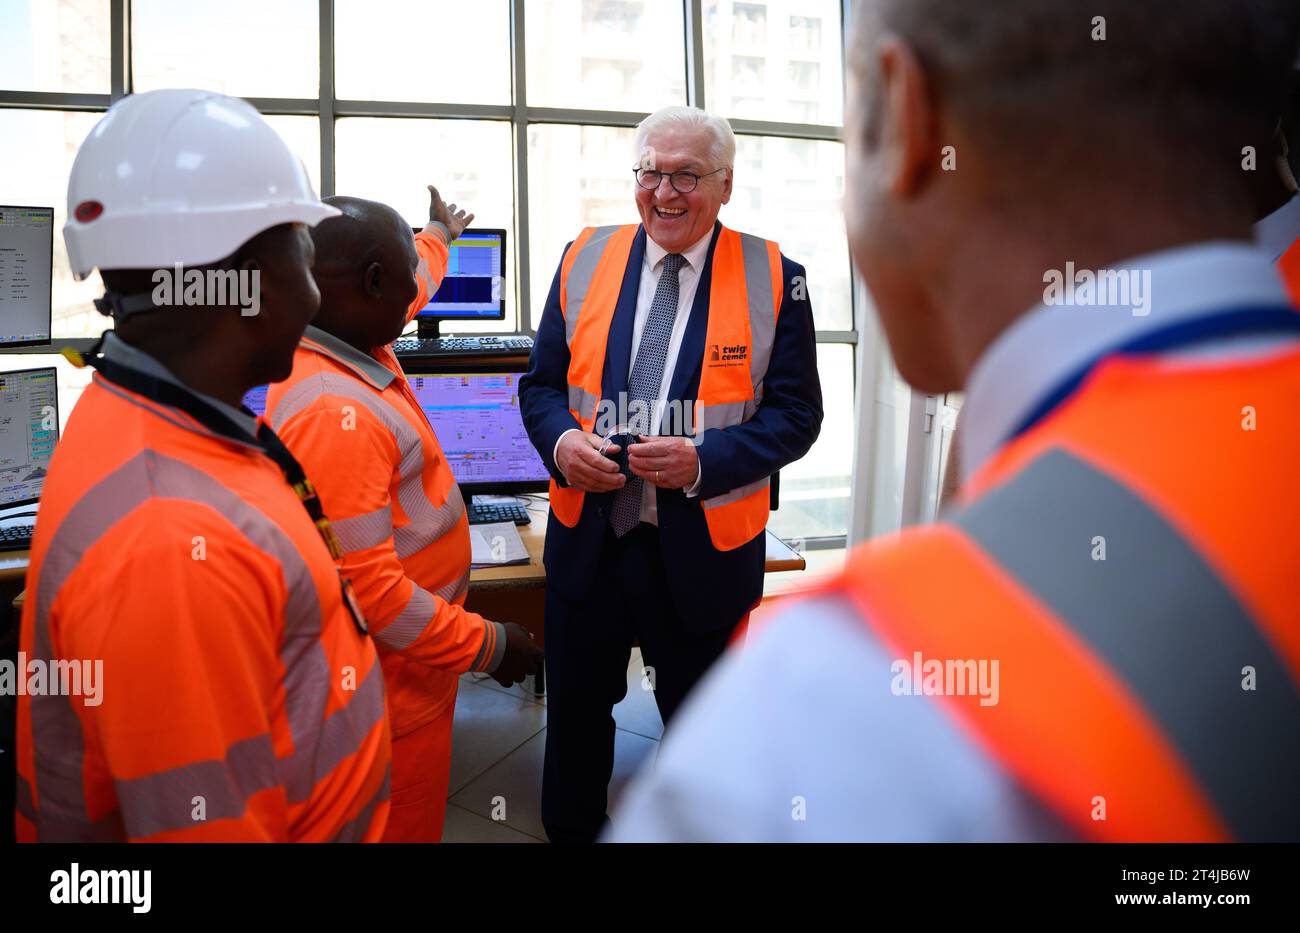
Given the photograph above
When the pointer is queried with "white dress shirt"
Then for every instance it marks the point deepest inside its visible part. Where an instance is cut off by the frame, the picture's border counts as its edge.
(799, 738)
(688, 280)
(1276, 232)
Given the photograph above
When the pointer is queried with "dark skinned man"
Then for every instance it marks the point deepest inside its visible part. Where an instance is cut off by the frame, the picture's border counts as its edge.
(178, 543)
(348, 414)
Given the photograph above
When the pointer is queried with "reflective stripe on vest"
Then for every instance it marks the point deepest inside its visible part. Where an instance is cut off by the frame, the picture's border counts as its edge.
(1149, 691)
(163, 801)
(744, 302)
(357, 828)
(427, 523)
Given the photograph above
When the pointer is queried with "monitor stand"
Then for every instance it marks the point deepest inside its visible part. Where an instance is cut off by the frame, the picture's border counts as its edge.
(426, 328)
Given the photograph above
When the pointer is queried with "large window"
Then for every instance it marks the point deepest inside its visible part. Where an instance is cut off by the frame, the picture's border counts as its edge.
(520, 110)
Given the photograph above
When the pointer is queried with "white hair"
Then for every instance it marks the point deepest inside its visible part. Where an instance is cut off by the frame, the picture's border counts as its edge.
(723, 150)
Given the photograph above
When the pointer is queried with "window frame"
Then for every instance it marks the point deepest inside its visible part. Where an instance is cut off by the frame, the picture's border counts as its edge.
(328, 108)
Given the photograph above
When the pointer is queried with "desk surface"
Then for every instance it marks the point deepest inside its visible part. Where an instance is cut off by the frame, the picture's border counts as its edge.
(780, 557)
(13, 564)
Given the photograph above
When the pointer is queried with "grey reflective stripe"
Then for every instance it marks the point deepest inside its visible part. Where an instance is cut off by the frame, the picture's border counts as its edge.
(482, 661)
(426, 523)
(1157, 615)
(582, 401)
(355, 830)
(418, 612)
(414, 618)
(762, 306)
(723, 415)
(735, 495)
(166, 800)
(581, 273)
(449, 592)
(58, 743)
(361, 532)
(341, 735)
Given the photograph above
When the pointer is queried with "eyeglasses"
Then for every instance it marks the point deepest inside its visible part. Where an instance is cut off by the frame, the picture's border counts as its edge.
(682, 182)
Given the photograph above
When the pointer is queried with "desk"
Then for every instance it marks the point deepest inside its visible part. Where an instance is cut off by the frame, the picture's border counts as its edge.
(482, 580)
(507, 594)
(517, 593)
(13, 579)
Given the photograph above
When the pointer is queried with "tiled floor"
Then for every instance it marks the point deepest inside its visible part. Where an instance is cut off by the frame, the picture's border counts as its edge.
(496, 760)
(500, 737)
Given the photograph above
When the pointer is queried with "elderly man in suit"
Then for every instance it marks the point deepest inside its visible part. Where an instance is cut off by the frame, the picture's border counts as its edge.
(687, 349)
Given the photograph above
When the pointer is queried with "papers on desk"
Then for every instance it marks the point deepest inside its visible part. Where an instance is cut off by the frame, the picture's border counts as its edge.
(496, 545)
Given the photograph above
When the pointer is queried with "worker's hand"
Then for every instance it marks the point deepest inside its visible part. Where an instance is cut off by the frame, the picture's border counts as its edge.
(522, 656)
(667, 462)
(586, 469)
(455, 220)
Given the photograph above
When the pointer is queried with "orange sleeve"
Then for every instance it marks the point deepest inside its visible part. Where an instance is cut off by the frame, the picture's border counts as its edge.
(433, 251)
(186, 615)
(353, 471)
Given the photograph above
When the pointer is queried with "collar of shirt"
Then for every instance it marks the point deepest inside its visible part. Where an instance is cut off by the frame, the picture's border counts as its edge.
(695, 254)
(1276, 232)
(1048, 343)
(119, 351)
(363, 364)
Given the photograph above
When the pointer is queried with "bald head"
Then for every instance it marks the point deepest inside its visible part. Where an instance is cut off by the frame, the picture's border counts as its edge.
(365, 269)
(355, 238)
(988, 143)
(1068, 79)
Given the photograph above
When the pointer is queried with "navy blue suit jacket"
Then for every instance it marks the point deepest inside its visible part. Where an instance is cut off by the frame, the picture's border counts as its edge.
(710, 588)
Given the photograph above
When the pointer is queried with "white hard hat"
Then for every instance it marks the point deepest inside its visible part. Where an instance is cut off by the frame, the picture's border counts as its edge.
(180, 176)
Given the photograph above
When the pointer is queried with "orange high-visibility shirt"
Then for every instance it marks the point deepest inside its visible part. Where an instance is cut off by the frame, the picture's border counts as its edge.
(237, 699)
(360, 434)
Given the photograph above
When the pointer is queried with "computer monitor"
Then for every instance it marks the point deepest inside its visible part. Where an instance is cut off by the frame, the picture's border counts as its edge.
(26, 274)
(474, 287)
(29, 429)
(476, 418)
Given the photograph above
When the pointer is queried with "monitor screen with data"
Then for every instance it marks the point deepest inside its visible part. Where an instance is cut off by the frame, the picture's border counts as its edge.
(29, 429)
(26, 267)
(472, 288)
(476, 419)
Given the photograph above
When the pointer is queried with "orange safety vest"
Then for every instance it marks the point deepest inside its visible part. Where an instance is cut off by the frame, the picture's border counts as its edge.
(1129, 562)
(1288, 266)
(744, 302)
(239, 699)
(395, 508)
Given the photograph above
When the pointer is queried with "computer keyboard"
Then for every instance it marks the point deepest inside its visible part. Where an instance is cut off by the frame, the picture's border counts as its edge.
(16, 538)
(461, 347)
(483, 513)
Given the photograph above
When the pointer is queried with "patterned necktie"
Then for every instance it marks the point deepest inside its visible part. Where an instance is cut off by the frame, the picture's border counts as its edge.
(647, 374)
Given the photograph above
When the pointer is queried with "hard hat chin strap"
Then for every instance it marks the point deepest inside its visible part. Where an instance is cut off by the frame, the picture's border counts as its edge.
(121, 306)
